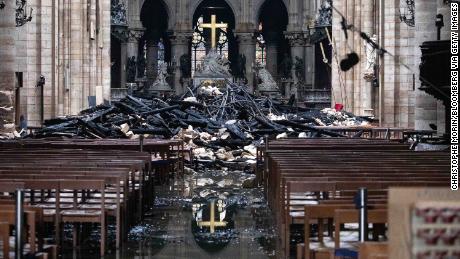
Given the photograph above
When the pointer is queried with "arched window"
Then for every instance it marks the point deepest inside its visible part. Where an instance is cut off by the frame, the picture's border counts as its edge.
(260, 48)
(222, 43)
(198, 46)
(161, 54)
(199, 43)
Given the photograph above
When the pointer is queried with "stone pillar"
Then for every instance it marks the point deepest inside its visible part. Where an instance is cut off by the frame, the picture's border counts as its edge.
(179, 47)
(367, 68)
(133, 44)
(297, 50)
(309, 65)
(135, 35)
(247, 47)
(7, 61)
(123, 62)
(272, 53)
(152, 60)
(297, 43)
(425, 105)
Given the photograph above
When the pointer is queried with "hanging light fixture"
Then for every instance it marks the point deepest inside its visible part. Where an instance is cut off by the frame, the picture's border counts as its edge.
(407, 14)
(21, 13)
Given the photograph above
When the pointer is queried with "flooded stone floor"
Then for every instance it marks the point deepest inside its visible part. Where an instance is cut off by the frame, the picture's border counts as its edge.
(170, 228)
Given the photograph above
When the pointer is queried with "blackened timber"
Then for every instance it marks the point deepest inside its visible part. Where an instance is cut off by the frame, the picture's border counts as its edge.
(186, 104)
(139, 102)
(197, 122)
(266, 131)
(126, 107)
(236, 131)
(267, 123)
(152, 131)
(99, 114)
(311, 128)
(92, 127)
(165, 109)
(119, 122)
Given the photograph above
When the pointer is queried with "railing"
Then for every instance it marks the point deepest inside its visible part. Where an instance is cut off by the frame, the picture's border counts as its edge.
(118, 93)
(316, 98)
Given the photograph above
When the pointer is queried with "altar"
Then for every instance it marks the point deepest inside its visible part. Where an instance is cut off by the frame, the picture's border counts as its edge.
(215, 70)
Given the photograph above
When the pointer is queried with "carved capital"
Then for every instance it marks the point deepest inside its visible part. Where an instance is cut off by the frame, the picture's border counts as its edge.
(120, 32)
(181, 38)
(297, 38)
(135, 34)
(246, 38)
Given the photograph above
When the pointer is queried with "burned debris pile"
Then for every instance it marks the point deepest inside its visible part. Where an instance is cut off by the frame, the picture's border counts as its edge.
(207, 118)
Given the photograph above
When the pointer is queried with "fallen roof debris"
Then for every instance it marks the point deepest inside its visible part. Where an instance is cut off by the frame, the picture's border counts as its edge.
(218, 123)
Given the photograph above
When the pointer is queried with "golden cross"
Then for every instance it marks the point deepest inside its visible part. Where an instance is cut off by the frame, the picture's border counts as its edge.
(213, 26)
(212, 223)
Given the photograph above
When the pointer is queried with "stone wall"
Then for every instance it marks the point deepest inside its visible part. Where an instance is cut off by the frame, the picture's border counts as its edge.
(68, 42)
(401, 103)
(7, 77)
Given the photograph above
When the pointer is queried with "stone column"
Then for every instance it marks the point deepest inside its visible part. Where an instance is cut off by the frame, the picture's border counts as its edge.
(272, 39)
(247, 47)
(123, 62)
(297, 43)
(179, 47)
(8, 64)
(135, 35)
(367, 68)
(152, 60)
(425, 105)
(309, 60)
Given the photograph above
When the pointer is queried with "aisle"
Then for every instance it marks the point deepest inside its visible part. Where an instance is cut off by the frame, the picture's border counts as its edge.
(167, 231)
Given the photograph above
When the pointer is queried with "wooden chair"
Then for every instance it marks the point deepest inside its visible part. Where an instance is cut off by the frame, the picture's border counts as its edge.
(378, 216)
(373, 250)
(5, 238)
(78, 215)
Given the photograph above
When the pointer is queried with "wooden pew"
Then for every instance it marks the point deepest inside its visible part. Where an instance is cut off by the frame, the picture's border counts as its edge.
(344, 166)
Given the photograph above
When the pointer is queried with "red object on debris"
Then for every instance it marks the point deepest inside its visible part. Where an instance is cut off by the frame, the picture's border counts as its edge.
(338, 107)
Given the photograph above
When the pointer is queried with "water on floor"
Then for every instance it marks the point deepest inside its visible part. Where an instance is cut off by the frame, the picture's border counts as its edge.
(217, 213)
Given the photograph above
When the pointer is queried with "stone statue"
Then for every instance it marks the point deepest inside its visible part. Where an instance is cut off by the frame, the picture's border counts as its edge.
(160, 83)
(286, 66)
(185, 66)
(214, 65)
(131, 70)
(371, 57)
(241, 66)
(267, 83)
(141, 66)
(299, 67)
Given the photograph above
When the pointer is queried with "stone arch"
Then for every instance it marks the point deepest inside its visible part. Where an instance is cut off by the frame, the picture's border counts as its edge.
(195, 4)
(167, 5)
(258, 9)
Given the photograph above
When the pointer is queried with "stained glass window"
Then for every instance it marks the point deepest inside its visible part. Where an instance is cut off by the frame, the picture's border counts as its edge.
(261, 57)
(161, 54)
(198, 46)
(222, 43)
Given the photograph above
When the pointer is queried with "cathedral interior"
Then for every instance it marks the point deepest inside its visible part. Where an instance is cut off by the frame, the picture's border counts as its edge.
(228, 129)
